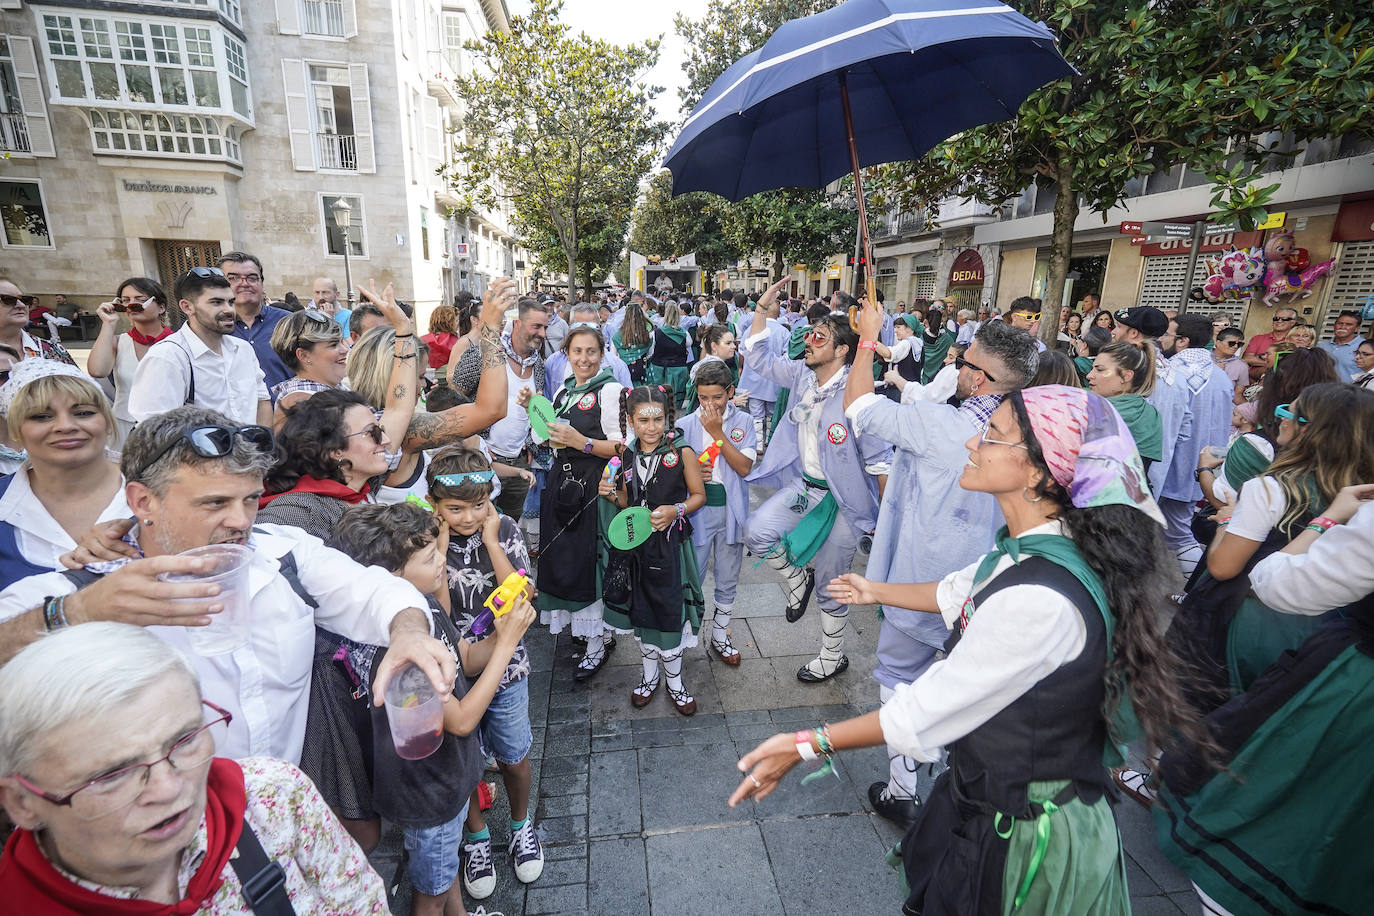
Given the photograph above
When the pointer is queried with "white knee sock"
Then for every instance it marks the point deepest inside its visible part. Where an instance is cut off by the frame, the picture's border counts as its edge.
(795, 576)
(596, 650)
(901, 771)
(720, 625)
(649, 656)
(832, 643)
(672, 668)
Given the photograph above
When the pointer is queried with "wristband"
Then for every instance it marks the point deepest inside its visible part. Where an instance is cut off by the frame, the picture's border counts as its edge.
(1224, 521)
(54, 618)
(804, 748)
(1324, 523)
(681, 509)
(868, 345)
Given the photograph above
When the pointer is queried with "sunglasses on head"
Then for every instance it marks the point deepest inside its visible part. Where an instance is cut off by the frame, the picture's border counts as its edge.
(12, 301)
(213, 442)
(374, 430)
(205, 273)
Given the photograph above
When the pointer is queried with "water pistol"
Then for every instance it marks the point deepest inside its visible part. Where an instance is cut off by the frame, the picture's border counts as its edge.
(707, 459)
(501, 601)
(612, 469)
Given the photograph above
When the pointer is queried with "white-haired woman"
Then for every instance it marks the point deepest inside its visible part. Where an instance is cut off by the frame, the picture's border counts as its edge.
(58, 415)
(108, 769)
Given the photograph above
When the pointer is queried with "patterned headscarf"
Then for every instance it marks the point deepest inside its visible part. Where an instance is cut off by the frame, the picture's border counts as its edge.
(1089, 450)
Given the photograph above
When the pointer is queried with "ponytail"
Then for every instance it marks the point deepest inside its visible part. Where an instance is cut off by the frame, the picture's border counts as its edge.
(1138, 359)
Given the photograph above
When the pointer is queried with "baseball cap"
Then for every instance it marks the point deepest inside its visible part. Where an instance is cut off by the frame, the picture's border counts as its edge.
(1146, 319)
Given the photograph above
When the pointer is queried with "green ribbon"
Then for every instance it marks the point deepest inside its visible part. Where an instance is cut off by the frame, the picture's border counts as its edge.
(804, 541)
(715, 493)
(1060, 550)
(1043, 829)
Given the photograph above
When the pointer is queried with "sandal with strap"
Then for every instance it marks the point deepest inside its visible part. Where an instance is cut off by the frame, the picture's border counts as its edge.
(683, 701)
(641, 695)
(727, 652)
(1135, 783)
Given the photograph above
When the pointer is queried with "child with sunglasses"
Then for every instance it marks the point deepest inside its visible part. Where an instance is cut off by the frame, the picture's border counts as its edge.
(484, 548)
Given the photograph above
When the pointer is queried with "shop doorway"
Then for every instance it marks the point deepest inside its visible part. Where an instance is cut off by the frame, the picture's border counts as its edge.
(1085, 276)
(175, 258)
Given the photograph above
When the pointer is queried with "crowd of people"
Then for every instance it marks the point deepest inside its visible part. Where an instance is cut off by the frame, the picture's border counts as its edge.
(1151, 538)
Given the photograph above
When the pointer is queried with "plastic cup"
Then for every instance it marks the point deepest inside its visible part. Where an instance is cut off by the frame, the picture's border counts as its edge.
(229, 629)
(415, 714)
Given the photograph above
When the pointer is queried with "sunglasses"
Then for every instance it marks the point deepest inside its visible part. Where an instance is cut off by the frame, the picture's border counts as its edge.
(213, 442)
(12, 301)
(1285, 412)
(815, 337)
(1029, 316)
(374, 430)
(134, 307)
(1285, 320)
(960, 363)
(205, 273)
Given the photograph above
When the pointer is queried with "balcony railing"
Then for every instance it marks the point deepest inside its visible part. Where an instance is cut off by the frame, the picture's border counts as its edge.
(337, 151)
(14, 133)
(324, 17)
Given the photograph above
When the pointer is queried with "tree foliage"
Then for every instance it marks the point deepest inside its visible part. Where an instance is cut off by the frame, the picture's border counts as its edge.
(563, 126)
(794, 225)
(673, 226)
(1204, 83)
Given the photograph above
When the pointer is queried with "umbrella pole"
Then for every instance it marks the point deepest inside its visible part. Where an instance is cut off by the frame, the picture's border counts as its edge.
(869, 287)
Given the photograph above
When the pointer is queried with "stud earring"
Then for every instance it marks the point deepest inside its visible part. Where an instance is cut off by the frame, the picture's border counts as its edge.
(147, 523)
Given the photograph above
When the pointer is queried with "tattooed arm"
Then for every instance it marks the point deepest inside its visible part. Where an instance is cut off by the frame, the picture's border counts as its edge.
(401, 387)
(432, 430)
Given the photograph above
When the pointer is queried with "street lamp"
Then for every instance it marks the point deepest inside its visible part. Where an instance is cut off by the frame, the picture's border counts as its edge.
(342, 212)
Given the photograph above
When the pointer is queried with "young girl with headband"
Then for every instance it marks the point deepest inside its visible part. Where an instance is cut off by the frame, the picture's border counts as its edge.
(662, 602)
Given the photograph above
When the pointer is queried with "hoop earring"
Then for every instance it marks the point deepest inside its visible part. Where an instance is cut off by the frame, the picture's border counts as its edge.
(1029, 499)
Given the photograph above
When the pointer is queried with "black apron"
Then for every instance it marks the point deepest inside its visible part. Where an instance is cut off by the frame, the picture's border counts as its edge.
(953, 856)
(567, 506)
(656, 565)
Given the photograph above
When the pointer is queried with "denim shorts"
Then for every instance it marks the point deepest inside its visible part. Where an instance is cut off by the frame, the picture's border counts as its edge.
(505, 729)
(433, 861)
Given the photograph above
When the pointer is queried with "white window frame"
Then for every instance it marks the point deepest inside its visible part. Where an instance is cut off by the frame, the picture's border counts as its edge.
(43, 204)
(188, 45)
(355, 219)
(342, 34)
(226, 134)
(316, 126)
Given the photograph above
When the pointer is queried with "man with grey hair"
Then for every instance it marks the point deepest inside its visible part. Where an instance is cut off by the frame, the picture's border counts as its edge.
(963, 319)
(557, 370)
(928, 526)
(194, 479)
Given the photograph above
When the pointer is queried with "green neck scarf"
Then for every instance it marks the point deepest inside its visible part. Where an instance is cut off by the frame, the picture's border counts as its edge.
(676, 334)
(1060, 550)
(1142, 419)
(596, 381)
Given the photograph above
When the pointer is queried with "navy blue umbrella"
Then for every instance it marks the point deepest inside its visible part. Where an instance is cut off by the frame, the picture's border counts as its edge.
(866, 82)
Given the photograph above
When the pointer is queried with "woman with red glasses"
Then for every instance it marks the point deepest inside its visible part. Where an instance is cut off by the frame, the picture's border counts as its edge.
(108, 769)
(116, 355)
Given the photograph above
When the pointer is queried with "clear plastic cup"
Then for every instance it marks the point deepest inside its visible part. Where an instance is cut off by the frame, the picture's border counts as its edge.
(229, 629)
(415, 713)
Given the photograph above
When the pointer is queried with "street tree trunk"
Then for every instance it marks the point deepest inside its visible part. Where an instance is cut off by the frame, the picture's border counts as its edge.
(1061, 247)
(779, 266)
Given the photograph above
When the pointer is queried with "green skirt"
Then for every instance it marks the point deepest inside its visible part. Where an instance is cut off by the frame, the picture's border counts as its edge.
(1083, 869)
(693, 606)
(675, 377)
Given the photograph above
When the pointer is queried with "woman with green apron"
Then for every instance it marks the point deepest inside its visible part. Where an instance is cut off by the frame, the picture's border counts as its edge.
(671, 354)
(1055, 642)
(633, 341)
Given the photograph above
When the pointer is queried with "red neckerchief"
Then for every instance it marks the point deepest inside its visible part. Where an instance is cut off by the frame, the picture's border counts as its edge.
(147, 340)
(331, 488)
(30, 884)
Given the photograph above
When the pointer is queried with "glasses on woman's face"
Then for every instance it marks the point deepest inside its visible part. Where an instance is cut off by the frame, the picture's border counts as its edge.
(1286, 412)
(984, 440)
(118, 789)
(374, 430)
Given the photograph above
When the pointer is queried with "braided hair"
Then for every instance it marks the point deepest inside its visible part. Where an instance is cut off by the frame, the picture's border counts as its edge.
(630, 398)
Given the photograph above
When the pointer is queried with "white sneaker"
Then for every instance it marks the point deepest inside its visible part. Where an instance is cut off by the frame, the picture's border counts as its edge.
(527, 854)
(479, 871)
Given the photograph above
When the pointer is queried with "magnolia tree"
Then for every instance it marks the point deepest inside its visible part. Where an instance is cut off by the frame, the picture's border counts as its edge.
(562, 126)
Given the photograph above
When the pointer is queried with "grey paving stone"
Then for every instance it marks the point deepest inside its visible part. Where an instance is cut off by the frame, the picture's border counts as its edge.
(562, 805)
(851, 849)
(563, 871)
(748, 716)
(562, 784)
(568, 851)
(1159, 905)
(611, 727)
(679, 790)
(713, 735)
(563, 715)
(711, 872)
(1138, 839)
(764, 599)
(562, 830)
(564, 900)
(557, 766)
(614, 796)
(620, 742)
(791, 799)
(620, 877)
(1187, 901)
(568, 740)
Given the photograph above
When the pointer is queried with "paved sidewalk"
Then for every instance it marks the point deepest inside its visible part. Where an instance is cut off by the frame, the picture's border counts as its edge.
(631, 803)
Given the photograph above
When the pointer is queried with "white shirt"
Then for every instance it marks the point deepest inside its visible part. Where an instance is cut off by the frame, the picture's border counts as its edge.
(507, 435)
(939, 390)
(1016, 638)
(1336, 570)
(903, 348)
(266, 683)
(230, 381)
(1259, 509)
(40, 539)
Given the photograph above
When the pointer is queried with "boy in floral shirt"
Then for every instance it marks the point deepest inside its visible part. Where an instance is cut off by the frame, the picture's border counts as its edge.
(484, 548)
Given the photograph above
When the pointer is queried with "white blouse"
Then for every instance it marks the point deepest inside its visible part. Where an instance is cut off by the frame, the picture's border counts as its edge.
(1016, 638)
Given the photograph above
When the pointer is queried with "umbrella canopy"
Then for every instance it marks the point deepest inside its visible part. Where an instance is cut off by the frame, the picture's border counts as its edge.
(918, 72)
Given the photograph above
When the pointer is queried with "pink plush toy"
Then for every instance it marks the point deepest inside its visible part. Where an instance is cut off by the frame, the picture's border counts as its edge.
(1287, 271)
